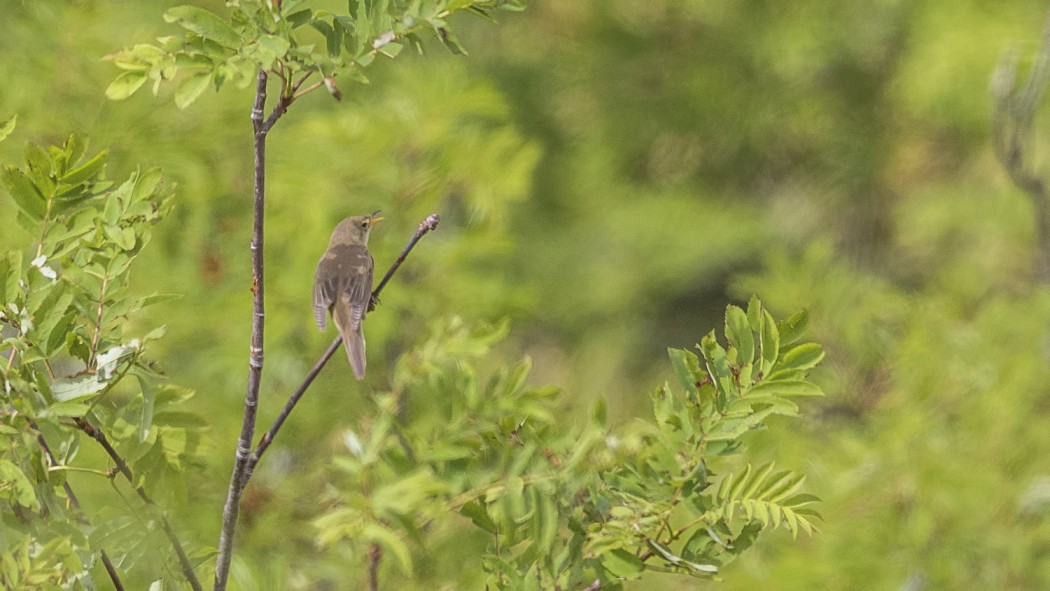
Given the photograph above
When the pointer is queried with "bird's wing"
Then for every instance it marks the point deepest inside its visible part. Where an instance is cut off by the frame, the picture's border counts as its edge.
(361, 289)
(343, 269)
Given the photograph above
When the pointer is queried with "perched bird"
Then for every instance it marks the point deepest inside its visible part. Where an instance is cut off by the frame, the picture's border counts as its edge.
(343, 285)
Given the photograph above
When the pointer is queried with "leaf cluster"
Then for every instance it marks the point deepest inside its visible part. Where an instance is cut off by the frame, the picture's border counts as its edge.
(288, 39)
(70, 368)
(563, 506)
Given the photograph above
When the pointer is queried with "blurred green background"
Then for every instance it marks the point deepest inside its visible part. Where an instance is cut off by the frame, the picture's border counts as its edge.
(610, 174)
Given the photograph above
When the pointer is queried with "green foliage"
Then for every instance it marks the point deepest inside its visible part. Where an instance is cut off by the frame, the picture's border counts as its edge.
(72, 367)
(562, 506)
(7, 126)
(927, 481)
(286, 37)
(833, 156)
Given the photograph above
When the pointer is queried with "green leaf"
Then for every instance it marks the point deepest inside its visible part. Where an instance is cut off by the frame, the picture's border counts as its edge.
(449, 39)
(780, 485)
(718, 369)
(39, 162)
(754, 313)
(362, 31)
(191, 88)
(757, 481)
(515, 380)
(738, 331)
(10, 272)
(55, 321)
(686, 367)
(748, 403)
(277, 45)
(622, 563)
(12, 478)
(545, 520)
(792, 328)
(268, 49)
(330, 33)
(786, 388)
(802, 356)
(738, 484)
(67, 409)
(7, 126)
(145, 184)
(204, 23)
(600, 412)
(108, 363)
(24, 192)
(391, 50)
(77, 387)
(157, 298)
(364, 60)
(791, 522)
(149, 396)
(733, 429)
(300, 18)
(477, 514)
(86, 170)
(663, 404)
(125, 85)
(800, 500)
(770, 342)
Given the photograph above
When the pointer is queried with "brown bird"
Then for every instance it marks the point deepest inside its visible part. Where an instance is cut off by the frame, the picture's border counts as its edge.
(343, 285)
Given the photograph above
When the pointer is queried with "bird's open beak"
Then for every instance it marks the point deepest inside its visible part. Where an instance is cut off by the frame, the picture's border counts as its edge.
(375, 217)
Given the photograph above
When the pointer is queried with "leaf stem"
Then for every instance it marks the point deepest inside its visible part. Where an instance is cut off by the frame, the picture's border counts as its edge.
(308, 89)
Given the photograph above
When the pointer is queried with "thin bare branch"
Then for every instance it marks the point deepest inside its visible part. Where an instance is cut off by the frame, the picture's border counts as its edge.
(255, 358)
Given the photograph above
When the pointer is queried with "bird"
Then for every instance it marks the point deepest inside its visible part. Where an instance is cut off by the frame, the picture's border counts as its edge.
(343, 285)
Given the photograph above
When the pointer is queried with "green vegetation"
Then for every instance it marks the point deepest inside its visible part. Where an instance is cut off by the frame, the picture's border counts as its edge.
(614, 178)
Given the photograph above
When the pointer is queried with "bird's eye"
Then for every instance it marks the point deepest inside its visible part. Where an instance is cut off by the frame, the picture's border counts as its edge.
(364, 224)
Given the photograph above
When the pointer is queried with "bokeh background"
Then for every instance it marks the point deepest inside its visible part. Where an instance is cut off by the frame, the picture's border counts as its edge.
(610, 174)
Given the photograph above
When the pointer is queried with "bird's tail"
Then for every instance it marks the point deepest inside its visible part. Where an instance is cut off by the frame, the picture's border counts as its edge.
(353, 338)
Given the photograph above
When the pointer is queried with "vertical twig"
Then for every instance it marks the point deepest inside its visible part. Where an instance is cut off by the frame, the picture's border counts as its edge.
(255, 357)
